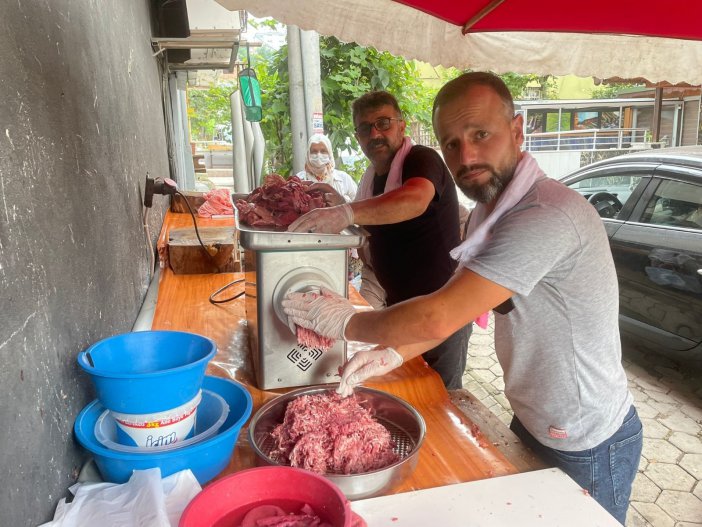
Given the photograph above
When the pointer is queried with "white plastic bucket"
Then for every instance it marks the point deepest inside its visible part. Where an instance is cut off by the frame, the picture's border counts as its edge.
(157, 429)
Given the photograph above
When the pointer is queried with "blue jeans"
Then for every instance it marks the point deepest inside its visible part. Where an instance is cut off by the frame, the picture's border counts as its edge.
(606, 471)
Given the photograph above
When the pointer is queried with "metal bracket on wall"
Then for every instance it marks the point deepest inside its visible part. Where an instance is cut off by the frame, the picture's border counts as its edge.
(211, 46)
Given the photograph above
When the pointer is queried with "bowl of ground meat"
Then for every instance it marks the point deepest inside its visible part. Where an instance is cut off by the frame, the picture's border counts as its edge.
(365, 444)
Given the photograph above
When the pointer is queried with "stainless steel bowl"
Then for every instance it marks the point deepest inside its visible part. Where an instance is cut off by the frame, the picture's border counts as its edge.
(405, 424)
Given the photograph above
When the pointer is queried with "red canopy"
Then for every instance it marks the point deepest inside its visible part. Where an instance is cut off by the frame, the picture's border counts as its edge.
(676, 19)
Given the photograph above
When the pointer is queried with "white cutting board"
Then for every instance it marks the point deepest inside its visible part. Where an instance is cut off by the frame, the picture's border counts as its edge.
(543, 498)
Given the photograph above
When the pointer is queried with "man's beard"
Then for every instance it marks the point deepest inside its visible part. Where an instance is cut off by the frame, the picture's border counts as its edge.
(383, 156)
(485, 193)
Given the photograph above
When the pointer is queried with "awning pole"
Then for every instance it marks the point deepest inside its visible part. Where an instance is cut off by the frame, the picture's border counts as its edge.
(480, 15)
(657, 107)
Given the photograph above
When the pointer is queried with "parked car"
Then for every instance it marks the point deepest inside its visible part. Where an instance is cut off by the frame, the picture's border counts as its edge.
(651, 205)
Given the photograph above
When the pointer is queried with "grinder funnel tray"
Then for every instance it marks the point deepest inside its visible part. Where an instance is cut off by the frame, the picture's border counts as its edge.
(272, 239)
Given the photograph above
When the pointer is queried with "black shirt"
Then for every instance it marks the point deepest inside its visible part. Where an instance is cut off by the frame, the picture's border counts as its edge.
(411, 258)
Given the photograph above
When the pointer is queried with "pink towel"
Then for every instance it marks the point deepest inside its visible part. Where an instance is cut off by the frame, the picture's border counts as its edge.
(482, 320)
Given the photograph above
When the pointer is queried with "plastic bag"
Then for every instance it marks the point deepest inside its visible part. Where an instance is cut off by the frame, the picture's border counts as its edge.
(145, 500)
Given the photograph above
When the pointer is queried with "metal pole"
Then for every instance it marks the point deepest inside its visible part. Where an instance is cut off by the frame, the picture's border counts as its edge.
(311, 74)
(656, 125)
(297, 100)
(239, 168)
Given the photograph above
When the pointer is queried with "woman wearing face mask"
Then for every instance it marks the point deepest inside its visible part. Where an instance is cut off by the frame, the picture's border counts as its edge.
(319, 168)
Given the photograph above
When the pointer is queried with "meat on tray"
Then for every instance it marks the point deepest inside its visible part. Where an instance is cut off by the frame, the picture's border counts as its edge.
(326, 433)
(278, 202)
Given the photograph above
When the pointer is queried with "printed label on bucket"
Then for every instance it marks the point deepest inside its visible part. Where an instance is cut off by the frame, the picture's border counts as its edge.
(151, 437)
(157, 430)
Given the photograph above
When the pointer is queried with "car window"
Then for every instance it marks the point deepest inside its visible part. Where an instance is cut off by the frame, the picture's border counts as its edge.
(675, 203)
(609, 193)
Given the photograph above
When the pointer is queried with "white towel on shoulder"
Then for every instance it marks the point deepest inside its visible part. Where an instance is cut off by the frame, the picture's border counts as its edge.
(394, 181)
(480, 226)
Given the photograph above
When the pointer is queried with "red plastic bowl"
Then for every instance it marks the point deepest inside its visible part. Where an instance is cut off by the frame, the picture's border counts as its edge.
(225, 502)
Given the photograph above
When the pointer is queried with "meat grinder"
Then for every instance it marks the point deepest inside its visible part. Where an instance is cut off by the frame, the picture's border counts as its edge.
(276, 263)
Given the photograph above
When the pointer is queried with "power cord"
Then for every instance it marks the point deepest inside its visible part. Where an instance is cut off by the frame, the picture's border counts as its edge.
(197, 232)
(169, 187)
(222, 289)
(147, 233)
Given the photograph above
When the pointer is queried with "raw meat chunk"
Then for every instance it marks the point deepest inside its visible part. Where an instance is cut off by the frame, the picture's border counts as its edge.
(278, 202)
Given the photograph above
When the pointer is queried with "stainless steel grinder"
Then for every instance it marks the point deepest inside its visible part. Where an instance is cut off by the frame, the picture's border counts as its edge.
(276, 263)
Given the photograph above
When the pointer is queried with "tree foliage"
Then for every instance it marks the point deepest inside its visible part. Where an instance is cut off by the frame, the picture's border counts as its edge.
(347, 72)
(609, 91)
(517, 84)
(209, 109)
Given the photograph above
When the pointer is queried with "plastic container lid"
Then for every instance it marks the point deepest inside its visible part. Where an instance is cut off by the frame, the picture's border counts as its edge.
(212, 413)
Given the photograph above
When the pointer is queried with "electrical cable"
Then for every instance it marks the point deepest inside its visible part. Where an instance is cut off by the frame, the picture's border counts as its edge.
(197, 232)
(221, 289)
(152, 256)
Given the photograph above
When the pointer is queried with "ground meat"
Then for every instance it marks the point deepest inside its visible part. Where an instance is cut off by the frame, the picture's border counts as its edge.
(309, 338)
(273, 516)
(278, 202)
(326, 433)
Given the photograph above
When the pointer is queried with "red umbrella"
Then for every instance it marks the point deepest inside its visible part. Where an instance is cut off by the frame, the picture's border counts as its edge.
(602, 38)
(677, 19)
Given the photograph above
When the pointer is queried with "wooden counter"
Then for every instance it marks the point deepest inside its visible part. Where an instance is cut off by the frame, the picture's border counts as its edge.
(455, 450)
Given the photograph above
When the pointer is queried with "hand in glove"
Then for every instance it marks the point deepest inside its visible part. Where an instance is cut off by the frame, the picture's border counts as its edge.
(331, 196)
(366, 364)
(329, 220)
(326, 314)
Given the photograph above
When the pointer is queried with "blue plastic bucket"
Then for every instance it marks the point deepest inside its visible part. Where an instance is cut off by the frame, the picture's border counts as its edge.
(205, 458)
(147, 371)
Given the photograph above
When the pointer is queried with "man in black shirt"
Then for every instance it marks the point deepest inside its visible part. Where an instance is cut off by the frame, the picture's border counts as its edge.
(407, 201)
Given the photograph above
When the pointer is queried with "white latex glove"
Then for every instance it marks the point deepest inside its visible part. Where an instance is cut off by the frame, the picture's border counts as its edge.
(329, 220)
(331, 196)
(326, 314)
(366, 364)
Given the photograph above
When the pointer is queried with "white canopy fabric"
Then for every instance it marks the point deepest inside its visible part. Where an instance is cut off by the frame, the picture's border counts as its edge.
(408, 32)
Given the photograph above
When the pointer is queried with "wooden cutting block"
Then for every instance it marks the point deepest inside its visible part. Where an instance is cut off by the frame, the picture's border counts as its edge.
(187, 256)
(196, 199)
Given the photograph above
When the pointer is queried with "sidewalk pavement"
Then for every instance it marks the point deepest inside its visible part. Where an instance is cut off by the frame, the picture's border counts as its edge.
(668, 397)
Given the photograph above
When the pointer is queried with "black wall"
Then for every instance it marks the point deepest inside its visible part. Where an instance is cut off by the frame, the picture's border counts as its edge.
(81, 124)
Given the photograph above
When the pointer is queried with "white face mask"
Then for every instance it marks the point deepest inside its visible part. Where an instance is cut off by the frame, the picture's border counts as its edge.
(319, 160)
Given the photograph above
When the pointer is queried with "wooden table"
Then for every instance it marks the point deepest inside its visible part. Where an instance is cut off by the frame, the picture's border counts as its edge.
(454, 451)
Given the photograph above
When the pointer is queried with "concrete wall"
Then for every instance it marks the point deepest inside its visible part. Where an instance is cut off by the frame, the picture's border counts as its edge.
(81, 124)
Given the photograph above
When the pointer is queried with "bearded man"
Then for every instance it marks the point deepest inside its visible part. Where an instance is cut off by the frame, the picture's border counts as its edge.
(538, 255)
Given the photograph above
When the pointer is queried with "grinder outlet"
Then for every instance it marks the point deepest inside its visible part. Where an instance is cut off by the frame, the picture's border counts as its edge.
(300, 280)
